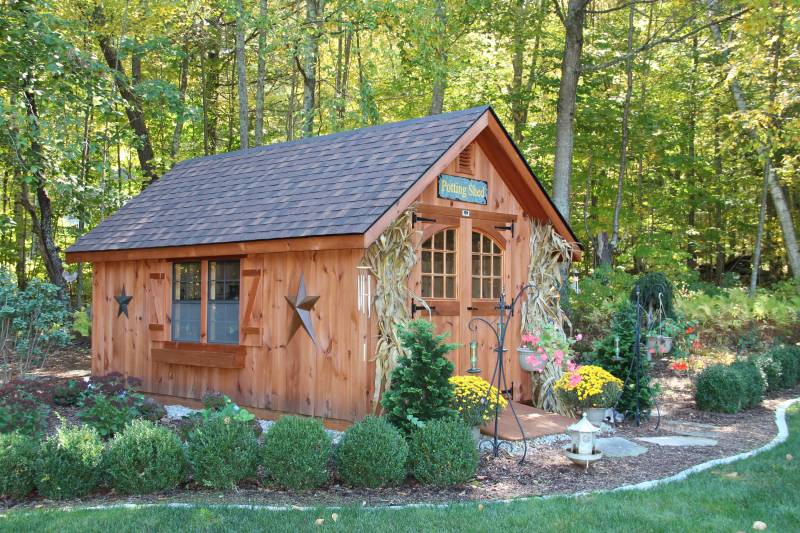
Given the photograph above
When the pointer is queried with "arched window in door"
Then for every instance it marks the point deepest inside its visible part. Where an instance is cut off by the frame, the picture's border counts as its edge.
(487, 267)
(439, 265)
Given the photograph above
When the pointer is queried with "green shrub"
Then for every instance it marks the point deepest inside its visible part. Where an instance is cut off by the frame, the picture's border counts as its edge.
(18, 455)
(296, 452)
(721, 388)
(372, 453)
(789, 358)
(420, 389)
(770, 368)
(222, 452)
(107, 414)
(68, 393)
(145, 458)
(753, 383)
(69, 463)
(655, 294)
(443, 453)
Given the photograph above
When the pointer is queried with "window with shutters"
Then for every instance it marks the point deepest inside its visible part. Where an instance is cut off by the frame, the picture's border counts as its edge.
(487, 267)
(438, 264)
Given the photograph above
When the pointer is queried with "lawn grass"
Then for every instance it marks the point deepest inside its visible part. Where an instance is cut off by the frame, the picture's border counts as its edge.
(765, 488)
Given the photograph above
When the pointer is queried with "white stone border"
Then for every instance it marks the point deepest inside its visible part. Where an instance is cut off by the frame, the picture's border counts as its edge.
(780, 421)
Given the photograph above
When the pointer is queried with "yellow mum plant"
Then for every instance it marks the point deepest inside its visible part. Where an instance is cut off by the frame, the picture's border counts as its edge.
(588, 386)
(475, 399)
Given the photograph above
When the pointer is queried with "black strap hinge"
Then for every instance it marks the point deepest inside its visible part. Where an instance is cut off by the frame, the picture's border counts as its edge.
(416, 218)
(415, 308)
(510, 228)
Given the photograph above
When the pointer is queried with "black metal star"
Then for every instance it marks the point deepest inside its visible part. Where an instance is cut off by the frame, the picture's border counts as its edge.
(302, 305)
(123, 300)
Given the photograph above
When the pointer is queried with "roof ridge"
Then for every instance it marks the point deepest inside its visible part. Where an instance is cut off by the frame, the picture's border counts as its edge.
(329, 136)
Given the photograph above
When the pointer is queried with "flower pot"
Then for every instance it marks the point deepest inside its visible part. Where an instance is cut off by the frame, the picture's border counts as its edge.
(524, 353)
(659, 344)
(596, 415)
(476, 435)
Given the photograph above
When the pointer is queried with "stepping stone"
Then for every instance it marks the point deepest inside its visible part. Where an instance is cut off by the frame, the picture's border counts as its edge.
(691, 429)
(619, 447)
(679, 440)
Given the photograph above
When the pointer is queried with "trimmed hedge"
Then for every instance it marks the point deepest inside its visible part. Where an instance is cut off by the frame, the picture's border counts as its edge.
(754, 384)
(372, 453)
(145, 458)
(296, 453)
(789, 359)
(222, 452)
(18, 456)
(443, 453)
(729, 388)
(69, 463)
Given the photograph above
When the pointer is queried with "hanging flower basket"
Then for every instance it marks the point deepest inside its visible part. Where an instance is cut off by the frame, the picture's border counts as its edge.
(658, 344)
(524, 354)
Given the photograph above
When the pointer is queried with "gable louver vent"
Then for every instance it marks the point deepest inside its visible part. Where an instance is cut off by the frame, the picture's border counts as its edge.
(466, 161)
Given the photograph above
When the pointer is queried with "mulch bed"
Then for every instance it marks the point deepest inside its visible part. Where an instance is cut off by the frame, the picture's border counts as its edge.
(545, 471)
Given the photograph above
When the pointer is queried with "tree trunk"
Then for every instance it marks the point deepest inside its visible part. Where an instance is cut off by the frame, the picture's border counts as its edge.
(691, 185)
(520, 88)
(719, 270)
(133, 110)
(183, 83)
(440, 61)
(314, 10)
(262, 72)
(623, 154)
(241, 76)
(762, 216)
(20, 236)
(776, 192)
(565, 114)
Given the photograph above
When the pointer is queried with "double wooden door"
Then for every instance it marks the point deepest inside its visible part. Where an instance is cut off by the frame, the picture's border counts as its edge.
(464, 265)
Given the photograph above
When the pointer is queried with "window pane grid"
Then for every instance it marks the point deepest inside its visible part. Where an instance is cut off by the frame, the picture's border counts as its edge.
(487, 267)
(223, 302)
(186, 302)
(439, 265)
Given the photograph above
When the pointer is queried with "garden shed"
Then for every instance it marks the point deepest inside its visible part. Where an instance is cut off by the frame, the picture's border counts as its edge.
(264, 273)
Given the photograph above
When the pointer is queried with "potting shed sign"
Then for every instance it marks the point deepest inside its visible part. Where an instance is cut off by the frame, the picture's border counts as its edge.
(463, 189)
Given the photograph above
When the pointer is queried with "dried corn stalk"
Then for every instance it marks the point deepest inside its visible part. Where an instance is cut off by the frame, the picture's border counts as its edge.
(390, 260)
(549, 252)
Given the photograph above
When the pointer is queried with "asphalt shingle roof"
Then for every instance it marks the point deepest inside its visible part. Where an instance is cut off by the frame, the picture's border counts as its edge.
(334, 184)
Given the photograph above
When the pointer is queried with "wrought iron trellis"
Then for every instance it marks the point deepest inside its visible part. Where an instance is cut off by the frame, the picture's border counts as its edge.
(498, 375)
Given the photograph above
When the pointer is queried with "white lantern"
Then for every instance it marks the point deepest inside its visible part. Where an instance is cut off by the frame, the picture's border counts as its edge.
(582, 434)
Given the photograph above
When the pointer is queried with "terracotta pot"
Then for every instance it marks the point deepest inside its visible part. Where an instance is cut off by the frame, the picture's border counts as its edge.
(524, 353)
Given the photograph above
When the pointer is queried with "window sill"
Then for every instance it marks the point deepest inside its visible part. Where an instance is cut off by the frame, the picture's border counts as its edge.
(203, 355)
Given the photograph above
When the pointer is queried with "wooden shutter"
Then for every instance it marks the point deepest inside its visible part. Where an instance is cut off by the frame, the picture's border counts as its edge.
(158, 293)
(250, 302)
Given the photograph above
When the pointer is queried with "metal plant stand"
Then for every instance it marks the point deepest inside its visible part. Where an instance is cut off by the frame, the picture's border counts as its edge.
(498, 375)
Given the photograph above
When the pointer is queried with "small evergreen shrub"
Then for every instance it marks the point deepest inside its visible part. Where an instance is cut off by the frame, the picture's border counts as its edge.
(443, 453)
(372, 453)
(770, 369)
(720, 388)
(753, 383)
(789, 358)
(296, 452)
(69, 463)
(68, 393)
(222, 452)
(107, 414)
(18, 455)
(145, 458)
(420, 389)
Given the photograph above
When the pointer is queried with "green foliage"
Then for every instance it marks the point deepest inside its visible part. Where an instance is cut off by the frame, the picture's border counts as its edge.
(770, 369)
(82, 322)
(788, 357)
(420, 389)
(601, 294)
(23, 408)
(69, 463)
(443, 453)
(655, 295)
(296, 453)
(145, 458)
(18, 456)
(372, 453)
(68, 393)
(623, 334)
(111, 402)
(33, 322)
(729, 388)
(222, 452)
(218, 405)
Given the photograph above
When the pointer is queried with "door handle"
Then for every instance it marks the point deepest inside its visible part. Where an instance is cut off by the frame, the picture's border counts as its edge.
(470, 308)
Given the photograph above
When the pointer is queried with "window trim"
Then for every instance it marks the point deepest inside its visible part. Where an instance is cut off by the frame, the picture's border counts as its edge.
(204, 299)
(173, 299)
(456, 261)
(499, 244)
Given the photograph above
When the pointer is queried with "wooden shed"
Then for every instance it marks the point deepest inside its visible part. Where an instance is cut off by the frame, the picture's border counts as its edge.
(243, 272)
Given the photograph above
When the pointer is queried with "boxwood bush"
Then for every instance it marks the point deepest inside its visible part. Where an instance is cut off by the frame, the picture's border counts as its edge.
(789, 359)
(18, 455)
(729, 388)
(222, 452)
(372, 453)
(145, 458)
(296, 453)
(753, 380)
(770, 368)
(443, 453)
(69, 463)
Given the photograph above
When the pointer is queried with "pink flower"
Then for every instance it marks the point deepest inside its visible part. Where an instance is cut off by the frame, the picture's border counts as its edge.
(652, 350)
(540, 349)
(575, 378)
(535, 339)
(559, 354)
(571, 366)
(527, 338)
(579, 336)
(543, 357)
